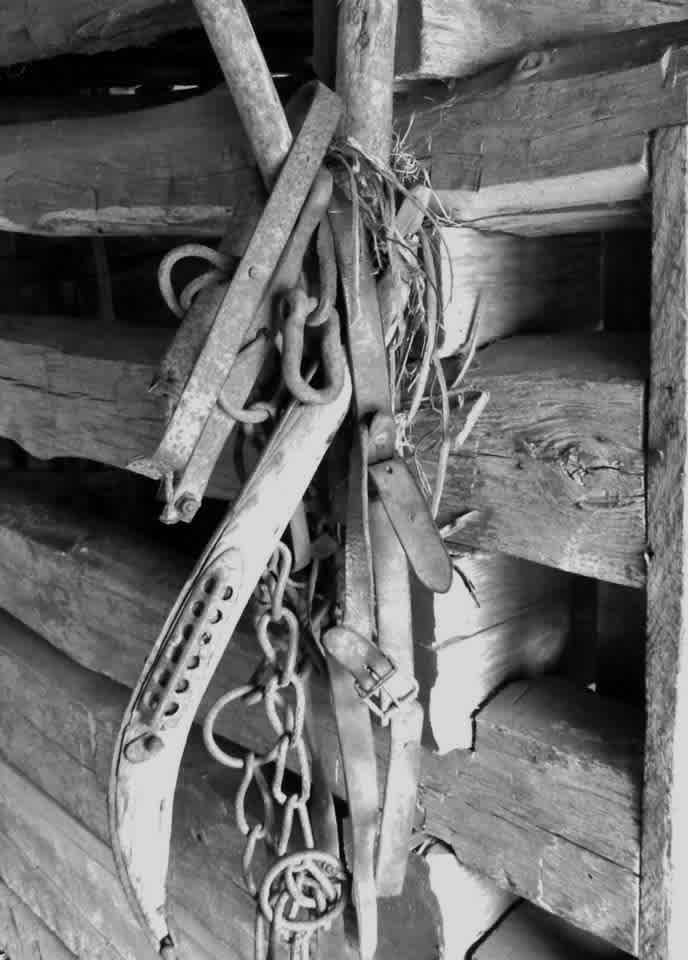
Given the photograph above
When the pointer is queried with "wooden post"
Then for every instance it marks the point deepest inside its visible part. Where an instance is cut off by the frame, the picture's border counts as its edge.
(664, 857)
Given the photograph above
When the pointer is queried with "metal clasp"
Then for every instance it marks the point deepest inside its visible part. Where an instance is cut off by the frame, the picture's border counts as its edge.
(388, 703)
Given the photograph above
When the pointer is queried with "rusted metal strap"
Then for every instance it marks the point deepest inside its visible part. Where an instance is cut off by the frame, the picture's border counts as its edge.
(190, 484)
(247, 289)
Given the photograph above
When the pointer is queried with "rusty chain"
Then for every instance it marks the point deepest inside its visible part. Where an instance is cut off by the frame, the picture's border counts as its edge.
(304, 890)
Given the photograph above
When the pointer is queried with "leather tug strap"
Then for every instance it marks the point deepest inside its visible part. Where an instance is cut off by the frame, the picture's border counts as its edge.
(383, 676)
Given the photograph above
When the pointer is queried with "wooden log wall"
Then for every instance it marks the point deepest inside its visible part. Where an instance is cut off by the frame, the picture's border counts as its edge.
(551, 145)
(537, 786)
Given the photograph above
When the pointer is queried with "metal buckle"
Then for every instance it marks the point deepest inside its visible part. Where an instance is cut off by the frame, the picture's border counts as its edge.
(388, 705)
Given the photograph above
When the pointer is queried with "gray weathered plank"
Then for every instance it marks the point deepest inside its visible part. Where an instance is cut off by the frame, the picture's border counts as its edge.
(69, 391)
(184, 169)
(556, 141)
(663, 918)
(48, 28)
(23, 935)
(554, 467)
(73, 389)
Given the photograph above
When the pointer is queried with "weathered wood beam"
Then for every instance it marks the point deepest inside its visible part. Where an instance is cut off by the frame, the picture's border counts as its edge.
(557, 141)
(101, 597)
(553, 143)
(554, 467)
(67, 876)
(440, 38)
(23, 935)
(67, 390)
(48, 28)
(663, 919)
(184, 169)
(74, 389)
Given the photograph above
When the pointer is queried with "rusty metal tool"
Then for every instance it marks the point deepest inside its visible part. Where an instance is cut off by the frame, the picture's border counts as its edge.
(246, 290)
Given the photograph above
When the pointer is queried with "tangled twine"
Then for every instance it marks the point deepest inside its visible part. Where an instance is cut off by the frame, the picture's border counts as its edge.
(416, 372)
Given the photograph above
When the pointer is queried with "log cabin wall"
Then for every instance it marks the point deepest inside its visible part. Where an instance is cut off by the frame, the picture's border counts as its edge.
(116, 142)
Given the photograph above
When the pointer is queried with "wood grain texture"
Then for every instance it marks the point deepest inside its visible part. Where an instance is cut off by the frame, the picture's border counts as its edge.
(23, 935)
(554, 467)
(556, 141)
(102, 598)
(545, 438)
(590, 752)
(67, 877)
(664, 922)
(440, 38)
(73, 389)
(180, 169)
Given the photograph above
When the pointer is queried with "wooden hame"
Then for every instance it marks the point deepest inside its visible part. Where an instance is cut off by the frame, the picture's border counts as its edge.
(558, 467)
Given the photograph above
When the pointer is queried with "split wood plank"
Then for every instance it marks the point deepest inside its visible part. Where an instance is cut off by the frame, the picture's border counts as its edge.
(65, 750)
(185, 168)
(554, 467)
(553, 143)
(103, 600)
(545, 438)
(557, 141)
(440, 38)
(23, 935)
(663, 918)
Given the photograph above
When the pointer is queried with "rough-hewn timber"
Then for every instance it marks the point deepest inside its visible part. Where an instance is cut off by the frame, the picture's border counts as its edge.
(441, 38)
(663, 917)
(554, 142)
(557, 481)
(23, 935)
(184, 168)
(554, 467)
(102, 597)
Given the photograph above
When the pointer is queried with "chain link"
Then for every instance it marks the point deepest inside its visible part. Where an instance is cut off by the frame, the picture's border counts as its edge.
(305, 891)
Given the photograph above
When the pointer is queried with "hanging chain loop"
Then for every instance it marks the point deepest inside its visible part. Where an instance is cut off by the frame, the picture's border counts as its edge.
(303, 891)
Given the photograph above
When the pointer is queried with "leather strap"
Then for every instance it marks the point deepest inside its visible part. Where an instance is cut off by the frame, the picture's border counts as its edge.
(395, 637)
(351, 712)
